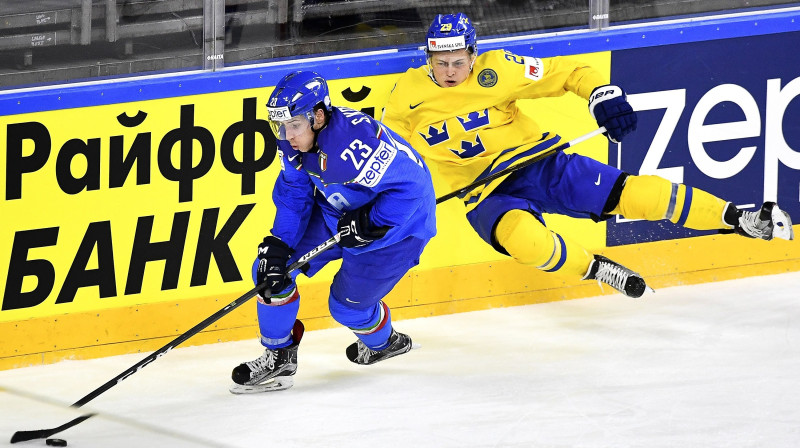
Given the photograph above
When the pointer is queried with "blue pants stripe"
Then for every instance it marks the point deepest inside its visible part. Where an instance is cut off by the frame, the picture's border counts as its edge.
(687, 205)
(563, 258)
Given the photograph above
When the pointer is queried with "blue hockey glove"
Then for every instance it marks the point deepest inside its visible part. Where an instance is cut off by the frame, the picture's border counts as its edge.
(273, 255)
(357, 230)
(609, 106)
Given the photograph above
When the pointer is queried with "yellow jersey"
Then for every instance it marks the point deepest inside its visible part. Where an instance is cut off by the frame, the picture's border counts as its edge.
(474, 129)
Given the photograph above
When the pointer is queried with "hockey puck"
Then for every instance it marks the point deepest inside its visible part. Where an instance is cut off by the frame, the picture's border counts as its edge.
(56, 442)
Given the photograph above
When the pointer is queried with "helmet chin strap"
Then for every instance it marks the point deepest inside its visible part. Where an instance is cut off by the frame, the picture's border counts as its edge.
(430, 72)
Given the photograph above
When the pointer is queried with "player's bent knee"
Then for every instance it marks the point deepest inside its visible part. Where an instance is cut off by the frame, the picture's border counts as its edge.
(339, 311)
(648, 197)
(360, 319)
(524, 237)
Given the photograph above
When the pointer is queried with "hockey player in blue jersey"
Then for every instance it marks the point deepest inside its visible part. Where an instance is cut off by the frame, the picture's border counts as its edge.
(340, 169)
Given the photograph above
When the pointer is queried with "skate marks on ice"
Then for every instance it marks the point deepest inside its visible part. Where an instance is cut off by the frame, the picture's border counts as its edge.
(106, 429)
(703, 365)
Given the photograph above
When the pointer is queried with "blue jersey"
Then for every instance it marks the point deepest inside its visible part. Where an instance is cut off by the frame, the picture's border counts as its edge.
(359, 161)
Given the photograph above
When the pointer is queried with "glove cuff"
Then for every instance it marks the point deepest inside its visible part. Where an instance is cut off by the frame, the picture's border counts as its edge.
(603, 93)
(279, 248)
(275, 241)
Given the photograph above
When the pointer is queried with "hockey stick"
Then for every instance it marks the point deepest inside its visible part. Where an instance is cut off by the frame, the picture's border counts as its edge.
(511, 169)
(22, 436)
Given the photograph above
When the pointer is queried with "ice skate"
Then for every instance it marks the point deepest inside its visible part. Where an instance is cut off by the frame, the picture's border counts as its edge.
(617, 276)
(359, 353)
(271, 371)
(768, 223)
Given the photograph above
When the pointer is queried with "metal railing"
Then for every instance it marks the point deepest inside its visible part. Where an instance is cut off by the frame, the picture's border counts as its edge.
(53, 41)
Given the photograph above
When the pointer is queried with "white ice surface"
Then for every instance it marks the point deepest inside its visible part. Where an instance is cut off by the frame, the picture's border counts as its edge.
(713, 365)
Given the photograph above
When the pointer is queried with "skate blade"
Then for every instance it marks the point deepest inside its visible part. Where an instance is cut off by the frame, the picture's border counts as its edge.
(280, 383)
(352, 353)
(782, 224)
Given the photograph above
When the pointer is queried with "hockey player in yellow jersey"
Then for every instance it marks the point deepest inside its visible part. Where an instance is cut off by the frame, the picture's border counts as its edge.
(460, 113)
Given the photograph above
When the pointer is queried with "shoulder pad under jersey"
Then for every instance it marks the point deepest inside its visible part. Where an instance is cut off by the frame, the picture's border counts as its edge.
(345, 145)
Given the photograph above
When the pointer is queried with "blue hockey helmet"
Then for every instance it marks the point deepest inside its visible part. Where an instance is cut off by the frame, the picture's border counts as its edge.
(450, 32)
(297, 94)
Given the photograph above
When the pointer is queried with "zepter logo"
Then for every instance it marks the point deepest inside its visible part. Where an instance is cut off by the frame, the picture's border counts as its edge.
(279, 113)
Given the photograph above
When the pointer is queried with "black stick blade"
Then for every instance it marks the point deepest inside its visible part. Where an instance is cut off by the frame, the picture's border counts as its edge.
(24, 436)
